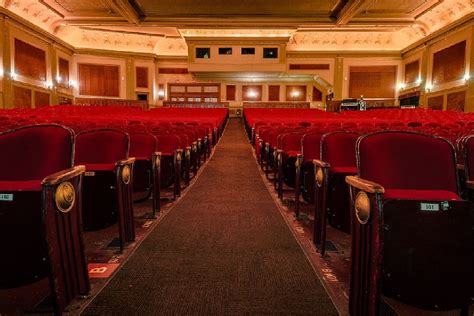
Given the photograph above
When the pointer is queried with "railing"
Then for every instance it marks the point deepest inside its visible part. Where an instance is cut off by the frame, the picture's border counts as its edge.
(290, 105)
(111, 102)
(172, 104)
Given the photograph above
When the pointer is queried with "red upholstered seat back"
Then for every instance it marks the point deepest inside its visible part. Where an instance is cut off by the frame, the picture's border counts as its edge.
(311, 146)
(167, 143)
(469, 149)
(34, 152)
(291, 142)
(142, 145)
(102, 146)
(338, 148)
(408, 161)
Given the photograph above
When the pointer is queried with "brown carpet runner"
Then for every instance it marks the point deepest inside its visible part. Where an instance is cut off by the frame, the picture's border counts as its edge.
(224, 249)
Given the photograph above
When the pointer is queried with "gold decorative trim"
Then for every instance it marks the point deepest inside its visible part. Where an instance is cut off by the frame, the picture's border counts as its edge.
(126, 174)
(362, 207)
(319, 177)
(158, 162)
(65, 196)
(178, 156)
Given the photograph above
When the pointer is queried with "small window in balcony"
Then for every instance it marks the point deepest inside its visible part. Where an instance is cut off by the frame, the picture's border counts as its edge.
(247, 51)
(225, 50)
(203, 52)
(271, 52)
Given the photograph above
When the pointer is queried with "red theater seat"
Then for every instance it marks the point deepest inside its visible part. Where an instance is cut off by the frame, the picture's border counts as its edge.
(411, 232)
(304, 180)
(338, 159)
(171, 157)
(146, 172)
(40, 213)
(108, 181)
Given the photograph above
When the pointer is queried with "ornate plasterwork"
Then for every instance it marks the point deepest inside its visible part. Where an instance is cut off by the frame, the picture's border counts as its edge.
(333, 41)
(237, 32)
(331, 38)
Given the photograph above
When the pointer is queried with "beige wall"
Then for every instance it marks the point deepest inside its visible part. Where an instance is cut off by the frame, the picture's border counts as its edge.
(425, 53)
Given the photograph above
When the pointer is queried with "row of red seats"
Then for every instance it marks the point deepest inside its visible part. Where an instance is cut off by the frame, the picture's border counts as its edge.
(405, 175)
(64, 181)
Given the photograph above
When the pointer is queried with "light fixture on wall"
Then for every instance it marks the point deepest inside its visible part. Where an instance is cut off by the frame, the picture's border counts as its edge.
(295, 94)
(252, 94)
(419, 81)
(428, 87)
(13, 75)
(466, 77)
(58, 79)
(1, 72)
(161, 93)
(72, 83)
(49, 84)
(401, 86)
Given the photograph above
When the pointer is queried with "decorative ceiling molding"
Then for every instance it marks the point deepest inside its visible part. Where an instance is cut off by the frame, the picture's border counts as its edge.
(361, 26)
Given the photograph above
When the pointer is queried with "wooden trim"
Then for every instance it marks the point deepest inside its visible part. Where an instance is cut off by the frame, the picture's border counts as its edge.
(365, 185)
(63, 175)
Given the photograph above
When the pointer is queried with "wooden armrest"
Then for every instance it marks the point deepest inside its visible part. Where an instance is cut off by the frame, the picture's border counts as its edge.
(124, 162)
(470, 184)
(63, 175)
(321, 163)
(365, 185)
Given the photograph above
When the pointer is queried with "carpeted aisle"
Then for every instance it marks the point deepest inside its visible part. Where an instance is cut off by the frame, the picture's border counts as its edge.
(224, 249)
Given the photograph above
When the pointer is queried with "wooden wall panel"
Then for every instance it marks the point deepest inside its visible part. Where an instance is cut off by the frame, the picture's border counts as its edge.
(295, 93)
(21, 97)
(63, 70)
(252, 93)
(30, 61)
(41, 99)
(141, 75)
(449, 63)
(412, 71)
(317, 95)
(372, 81)
(230, 92)
(456, 101)
(435, 103)
(99, 80)
(274, 93)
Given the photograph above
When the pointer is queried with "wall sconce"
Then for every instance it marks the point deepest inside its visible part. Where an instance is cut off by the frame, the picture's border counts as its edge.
(428, 87)
(1, 72)
(58, 79)
(295, 94)
(13, 75)
(419, 81)
(161, 93)
(466, 77)
(252, 94)
(72, 83)
(49, 84)
(401, 86)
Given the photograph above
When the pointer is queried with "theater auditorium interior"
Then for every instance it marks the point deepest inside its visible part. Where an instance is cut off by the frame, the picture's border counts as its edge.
(250, 157)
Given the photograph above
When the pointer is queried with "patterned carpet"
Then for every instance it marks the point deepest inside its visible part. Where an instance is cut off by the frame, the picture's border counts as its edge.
(223, 250)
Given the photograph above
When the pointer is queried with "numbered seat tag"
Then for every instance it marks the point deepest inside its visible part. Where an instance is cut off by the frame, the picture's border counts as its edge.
(430, 207)
(6, 197)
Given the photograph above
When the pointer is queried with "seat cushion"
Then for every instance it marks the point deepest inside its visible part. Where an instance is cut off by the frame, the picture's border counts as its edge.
(351, 170)
(425, 195)
(100, 167)
(28, 185)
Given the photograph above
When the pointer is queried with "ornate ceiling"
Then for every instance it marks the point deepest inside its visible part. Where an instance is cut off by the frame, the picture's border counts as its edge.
(161, 27)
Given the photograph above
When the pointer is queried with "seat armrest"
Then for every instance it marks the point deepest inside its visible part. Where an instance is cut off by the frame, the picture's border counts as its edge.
(321, 164)
(365, 185)
(63, 175)
(124, 162)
